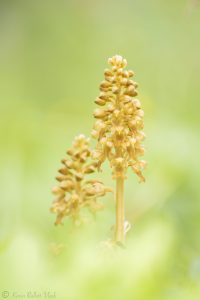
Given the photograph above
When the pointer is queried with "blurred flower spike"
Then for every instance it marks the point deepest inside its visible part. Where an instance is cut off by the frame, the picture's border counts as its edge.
(74, 192)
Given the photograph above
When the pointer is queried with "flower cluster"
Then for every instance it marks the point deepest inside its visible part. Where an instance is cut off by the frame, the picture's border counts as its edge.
(74, 192)
(119, 124)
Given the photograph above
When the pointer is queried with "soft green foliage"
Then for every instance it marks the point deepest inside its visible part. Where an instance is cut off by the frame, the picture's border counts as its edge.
(51, 59)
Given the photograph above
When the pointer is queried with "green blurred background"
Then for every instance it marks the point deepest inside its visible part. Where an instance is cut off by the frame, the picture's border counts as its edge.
(52, 57)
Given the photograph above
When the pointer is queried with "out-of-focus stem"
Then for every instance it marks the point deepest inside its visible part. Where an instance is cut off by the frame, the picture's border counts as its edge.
(119, 230)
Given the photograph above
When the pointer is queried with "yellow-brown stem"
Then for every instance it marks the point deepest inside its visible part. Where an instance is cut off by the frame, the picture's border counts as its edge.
(119, 229)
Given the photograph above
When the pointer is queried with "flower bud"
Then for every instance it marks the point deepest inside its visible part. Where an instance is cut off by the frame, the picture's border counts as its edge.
(118, 59)
(136, 103)
(69, 152)
(94, 134)
(79, 176)
(115, 90)
(124, 63)
(57, 190)
(69, 163)
(63, 171)
(103, 96)
(89, 169)
(107, 72)
(131, 91)
(114, 68)
(130, 73)
(127, 99)
(100, 101)
(140, 113)
(111, 79)
(99, 124)
(130, 82)
(119, 71)
(110, 108)
(66, 185)
(60, 177)
(124, 81)
(125, 74)
(105, 84)
(98, 113)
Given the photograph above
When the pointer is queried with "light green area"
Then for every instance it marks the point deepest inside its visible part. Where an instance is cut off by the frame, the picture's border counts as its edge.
(52, 57)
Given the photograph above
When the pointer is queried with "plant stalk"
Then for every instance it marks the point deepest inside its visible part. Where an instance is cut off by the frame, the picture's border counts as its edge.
(119, 232)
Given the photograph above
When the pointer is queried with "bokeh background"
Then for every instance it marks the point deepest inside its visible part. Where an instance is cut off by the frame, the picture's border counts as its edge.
(52, 57)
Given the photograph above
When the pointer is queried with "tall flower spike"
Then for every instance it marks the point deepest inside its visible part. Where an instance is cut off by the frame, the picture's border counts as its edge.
(118, 130)
(74, 192)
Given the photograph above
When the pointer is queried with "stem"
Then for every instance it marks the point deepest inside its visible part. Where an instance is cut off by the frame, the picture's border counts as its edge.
(119, 233)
